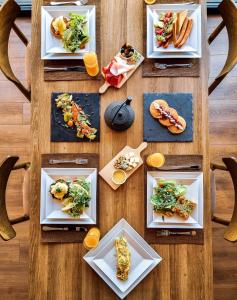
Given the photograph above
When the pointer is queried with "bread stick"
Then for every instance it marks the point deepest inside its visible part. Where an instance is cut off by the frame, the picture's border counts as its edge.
(187, 33)
(182, 33)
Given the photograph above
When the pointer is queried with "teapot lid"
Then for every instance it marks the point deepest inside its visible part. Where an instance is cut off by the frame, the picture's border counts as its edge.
(119, 115)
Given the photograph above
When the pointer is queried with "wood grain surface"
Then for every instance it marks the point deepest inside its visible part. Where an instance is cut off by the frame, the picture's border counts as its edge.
(58, 271)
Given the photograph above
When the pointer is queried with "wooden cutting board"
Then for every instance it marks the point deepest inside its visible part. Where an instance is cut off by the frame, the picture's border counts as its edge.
(107, 172)
(106, 85)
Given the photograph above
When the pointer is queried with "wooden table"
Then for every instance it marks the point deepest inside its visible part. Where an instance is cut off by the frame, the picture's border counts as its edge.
(57, 271)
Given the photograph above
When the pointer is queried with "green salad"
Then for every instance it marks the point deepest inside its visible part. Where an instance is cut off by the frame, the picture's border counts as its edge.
(76, 35)
(75, 195)
(169, 199)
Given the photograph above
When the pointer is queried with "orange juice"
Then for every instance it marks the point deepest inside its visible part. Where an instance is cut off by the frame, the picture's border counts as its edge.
(92, 238)
(156, 160)
(91, 63)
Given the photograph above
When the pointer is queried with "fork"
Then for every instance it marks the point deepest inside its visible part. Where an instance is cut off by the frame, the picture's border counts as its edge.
(165, 66)
(78, 161)
(80, 2)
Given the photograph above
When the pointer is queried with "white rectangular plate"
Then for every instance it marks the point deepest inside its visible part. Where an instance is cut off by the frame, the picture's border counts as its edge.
(193, 46)
(50, 209)
(194, 183)
(51, 47)
(103, 260)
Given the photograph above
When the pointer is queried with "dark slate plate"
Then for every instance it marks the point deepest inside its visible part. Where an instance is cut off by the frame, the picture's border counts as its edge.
(155, 132)
(90, 103)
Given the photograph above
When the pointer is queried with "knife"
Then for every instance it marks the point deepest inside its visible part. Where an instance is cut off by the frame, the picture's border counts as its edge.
(181, 167)
(65, 69)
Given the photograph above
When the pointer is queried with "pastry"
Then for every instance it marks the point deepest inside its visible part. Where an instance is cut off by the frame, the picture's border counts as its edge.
(153, 108)
(179, 127)
(171, 114)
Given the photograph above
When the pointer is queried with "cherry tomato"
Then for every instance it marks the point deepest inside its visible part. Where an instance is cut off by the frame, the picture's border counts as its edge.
(159, 31)
(159, 43)
(168, 14)
(70, 123)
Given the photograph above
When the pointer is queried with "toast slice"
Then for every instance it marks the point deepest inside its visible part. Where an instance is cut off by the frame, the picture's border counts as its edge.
(181, 16)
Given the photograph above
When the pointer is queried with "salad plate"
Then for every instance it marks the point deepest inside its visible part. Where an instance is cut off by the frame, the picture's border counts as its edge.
(51, 46)
(51, 209)
(193, 183)
(103, 258)
(192, 47)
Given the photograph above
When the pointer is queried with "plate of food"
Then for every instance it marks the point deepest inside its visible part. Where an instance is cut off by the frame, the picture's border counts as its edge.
(122, 166)
(122, 258)
(168, 117)
(67, 32)
(174, 199)
(121, 67)
(75, 117)
(174, 30)
(68, 195)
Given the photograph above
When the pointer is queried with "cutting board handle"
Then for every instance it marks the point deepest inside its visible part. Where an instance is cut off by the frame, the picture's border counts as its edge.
(104, 87)
(142, 147)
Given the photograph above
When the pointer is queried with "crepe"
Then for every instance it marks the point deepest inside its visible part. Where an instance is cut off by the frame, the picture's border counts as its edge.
(123, 258)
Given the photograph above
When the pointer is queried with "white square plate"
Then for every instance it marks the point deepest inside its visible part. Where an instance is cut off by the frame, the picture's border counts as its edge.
(51, 47)
(194, 183)
(193, 46)
(103, 260)
(50, 209)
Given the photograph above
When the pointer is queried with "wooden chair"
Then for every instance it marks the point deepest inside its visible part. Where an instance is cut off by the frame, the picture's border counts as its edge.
(7, 232)
(231, 167)
(8, 13)
(228, 11)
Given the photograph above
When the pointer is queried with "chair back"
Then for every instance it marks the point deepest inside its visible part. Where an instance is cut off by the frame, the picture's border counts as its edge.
(228, 11)
(8, 13)
(7, 232)
(231, 231)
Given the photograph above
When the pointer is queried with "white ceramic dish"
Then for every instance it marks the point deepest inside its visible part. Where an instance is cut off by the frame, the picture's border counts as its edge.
(193, 46)
(103, 260)
(194, 183)
(50, 209)
(51, 47)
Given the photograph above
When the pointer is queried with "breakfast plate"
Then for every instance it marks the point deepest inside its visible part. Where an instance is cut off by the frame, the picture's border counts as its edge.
(52, 48)
(51, 209)
(103, 259)
(193, 183)
(191, 48)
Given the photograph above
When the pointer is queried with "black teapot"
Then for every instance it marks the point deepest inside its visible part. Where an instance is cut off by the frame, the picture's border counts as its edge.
(119, 115)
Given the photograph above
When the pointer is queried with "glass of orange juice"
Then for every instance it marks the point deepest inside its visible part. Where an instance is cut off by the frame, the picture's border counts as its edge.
(92, 238)
(155, 160)
(91, 63)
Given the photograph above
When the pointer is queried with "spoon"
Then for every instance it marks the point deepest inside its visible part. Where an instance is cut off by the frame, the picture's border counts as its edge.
(80, 2)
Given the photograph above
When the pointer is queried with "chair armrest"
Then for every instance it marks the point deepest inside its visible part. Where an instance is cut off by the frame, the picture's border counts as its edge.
(19, 219)
(22, 166)
(218, 167)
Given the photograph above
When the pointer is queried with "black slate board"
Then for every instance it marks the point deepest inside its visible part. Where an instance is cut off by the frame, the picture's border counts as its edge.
(90, 103)
(153, 131)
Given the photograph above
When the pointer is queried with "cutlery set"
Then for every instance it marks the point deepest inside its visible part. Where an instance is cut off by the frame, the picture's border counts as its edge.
(51, 228)
(168, 233)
